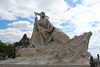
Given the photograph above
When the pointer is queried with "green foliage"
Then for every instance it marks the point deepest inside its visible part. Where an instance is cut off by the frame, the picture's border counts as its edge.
(11, 50)
(8, 49)
(2, 47)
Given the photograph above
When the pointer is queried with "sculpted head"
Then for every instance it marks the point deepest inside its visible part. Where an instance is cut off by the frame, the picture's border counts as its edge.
(42, 14)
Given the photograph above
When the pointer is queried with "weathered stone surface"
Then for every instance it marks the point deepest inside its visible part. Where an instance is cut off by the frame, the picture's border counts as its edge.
(49, 45)
(73, 51)
(29, 65)
(27, 52)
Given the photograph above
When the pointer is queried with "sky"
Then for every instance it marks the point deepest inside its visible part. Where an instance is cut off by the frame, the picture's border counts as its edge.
(74, 17)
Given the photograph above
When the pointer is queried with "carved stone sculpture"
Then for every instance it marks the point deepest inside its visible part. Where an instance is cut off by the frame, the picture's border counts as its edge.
(49, 45)
(54, 45)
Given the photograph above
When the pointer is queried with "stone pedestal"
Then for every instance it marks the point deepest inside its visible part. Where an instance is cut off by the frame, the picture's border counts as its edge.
(29, 65)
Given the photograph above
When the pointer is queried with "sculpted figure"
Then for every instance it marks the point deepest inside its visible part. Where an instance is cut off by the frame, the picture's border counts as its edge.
(52, 46)
(44, 32)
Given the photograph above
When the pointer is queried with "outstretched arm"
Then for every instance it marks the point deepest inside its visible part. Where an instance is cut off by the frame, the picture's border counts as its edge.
(36, 13)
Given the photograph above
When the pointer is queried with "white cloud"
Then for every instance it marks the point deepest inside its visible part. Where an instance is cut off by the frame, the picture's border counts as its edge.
(26, 8)
(17, 30)
(84, 17)
(10, 34)
(13, 34)
(94, 49)
(24, 25)
(90, 2)
(5, 15)
(75, 1)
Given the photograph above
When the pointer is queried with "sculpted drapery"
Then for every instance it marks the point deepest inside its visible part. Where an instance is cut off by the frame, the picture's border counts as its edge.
(44, 32)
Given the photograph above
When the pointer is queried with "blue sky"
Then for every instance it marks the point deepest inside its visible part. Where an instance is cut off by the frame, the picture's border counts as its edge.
(74, 17)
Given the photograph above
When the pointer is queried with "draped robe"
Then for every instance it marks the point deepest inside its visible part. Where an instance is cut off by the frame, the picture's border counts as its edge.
(44, 32)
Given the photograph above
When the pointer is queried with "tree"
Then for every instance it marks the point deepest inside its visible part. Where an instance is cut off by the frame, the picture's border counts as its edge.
(11, 50)
(2, 47)
(8, 49)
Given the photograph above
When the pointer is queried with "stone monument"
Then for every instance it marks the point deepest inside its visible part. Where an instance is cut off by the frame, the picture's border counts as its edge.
(49, 45)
